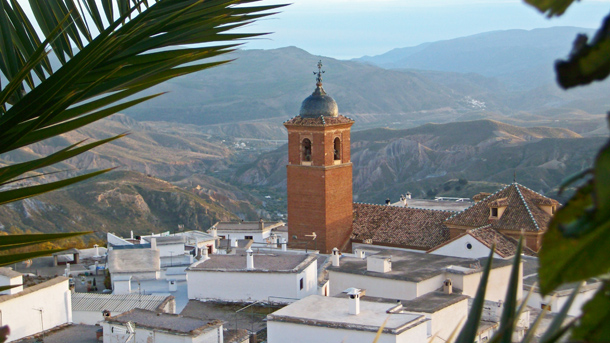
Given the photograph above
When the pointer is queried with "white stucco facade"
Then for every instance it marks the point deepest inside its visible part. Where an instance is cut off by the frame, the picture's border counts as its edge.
(466, 247)
(255, 285)
(36, 308)
(557, 301)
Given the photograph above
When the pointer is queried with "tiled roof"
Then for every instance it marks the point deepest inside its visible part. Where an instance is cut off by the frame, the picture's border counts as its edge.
(399, 226)
(521, 213)
(320, 121)
(481, 196)
(505, 246)
(499, 203)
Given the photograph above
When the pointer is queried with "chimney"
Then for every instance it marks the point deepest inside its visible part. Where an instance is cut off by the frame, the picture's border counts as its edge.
(408, 195)
(378, 264)
(204, 252)
(284, 244)
(97, 250)
(335, 257)
(235, 243)
(354, 302)
(360, 253)
(261, 224)
(249, 259)
(131, 236)
(387, 201)
(447, 286)
(153, 243)
(67, 270)
(214, 232)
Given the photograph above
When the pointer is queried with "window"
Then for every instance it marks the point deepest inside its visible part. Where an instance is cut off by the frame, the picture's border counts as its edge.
(306, 150)
(301, 283)
(468, 246)
(337, 149)
(249, 237)
(494, 211)
(545, 306)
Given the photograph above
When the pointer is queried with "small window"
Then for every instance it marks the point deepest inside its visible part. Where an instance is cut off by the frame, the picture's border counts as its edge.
(306, 150)
(337, 149)
(545, 306)
(301, 283)
(249, 237)
(468, 246)
(494, 211)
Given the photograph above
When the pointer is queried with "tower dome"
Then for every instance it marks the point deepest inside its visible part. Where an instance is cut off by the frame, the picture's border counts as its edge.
(319, 103)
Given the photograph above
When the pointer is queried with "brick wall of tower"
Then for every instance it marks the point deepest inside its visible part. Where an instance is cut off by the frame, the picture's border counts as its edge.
(320, 196)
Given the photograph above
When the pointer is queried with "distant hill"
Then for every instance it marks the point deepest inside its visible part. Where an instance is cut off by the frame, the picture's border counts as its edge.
(118, 202)
(262, 88)
(425, 160)
(521, 59)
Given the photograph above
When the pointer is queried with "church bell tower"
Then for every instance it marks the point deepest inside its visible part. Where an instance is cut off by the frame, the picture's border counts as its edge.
(320, 204)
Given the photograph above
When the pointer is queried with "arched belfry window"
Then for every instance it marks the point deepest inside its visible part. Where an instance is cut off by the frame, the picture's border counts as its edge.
(306, 150)
(337, 149)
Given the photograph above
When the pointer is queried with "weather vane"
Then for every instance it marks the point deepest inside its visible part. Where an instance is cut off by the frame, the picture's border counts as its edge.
(319, 73)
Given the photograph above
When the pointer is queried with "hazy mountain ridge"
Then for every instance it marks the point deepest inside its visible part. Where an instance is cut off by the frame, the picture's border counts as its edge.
(519, 58)
(388, 162)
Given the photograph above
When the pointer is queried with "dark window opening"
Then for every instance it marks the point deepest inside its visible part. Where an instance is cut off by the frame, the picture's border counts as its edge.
(249, 237)
(306, 150)
(494, 211)
(468, 246)
(337, 150)
(301, 283)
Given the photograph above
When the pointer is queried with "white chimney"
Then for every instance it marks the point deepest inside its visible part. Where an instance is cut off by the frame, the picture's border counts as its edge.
(153, 243)
(131, 234)
(97, 250)
(249, 259)
(235, 243)
(67, 270)
(360, 253)
(335, 257)
(447, 286)
(354, 301)
(204, 252)
(284, 244)
(378, 264)
(214, 232)
(408, 195)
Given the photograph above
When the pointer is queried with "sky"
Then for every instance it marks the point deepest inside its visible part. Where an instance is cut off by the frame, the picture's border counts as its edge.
(353, 28)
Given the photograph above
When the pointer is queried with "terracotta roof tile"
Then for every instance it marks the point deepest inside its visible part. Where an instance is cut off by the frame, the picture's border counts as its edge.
(480, 196)
(399, 226)
(319, 121)
(521, 213)
(498, 203)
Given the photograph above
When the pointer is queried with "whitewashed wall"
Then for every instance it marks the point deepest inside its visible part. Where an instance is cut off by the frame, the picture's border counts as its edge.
(536, 300)
(281, 332)
(167, 250)
(251, 286)
(375, 286)
(443, 322)
(458, 248)
(20, 315)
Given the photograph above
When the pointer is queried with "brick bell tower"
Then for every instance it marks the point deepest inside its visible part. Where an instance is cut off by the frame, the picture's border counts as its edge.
(319, 171)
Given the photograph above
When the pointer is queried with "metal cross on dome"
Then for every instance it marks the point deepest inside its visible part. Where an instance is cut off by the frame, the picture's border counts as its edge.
(319, 73)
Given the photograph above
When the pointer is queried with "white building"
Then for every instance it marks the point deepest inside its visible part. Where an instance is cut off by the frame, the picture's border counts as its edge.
(555, 300)
(36, 308)
(200, 240)
(9, 277)
(125, 265)
(168, 245)
(259, 232)
(329, 319)
(246, 276)
(149, 326)
(477, 243)
(92, 308)
(407, 275)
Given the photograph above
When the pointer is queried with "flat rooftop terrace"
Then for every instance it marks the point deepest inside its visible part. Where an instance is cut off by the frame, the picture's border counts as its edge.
(333, 312)
(415, 267)
(431, 204)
